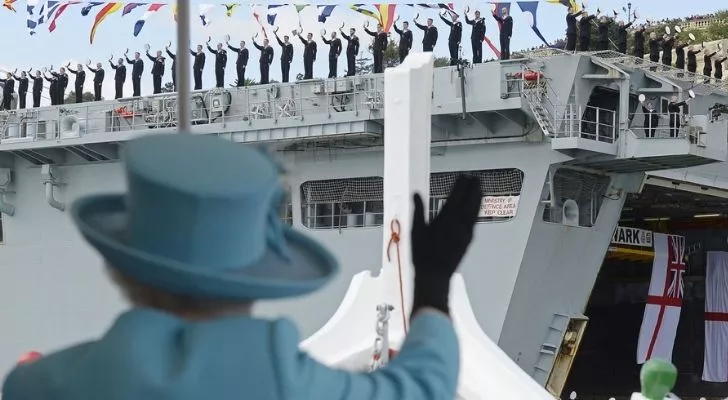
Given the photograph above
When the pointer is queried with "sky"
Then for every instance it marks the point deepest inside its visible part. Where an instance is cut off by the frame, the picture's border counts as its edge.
(70, 40)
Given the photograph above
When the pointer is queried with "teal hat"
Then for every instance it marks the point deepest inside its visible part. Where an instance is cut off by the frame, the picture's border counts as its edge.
(200, 219)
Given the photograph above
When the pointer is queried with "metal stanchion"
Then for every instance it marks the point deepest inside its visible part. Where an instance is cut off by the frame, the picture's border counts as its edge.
(183, 66)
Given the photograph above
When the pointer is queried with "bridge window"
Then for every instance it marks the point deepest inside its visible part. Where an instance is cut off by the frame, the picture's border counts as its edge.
(586, 189)
(358, 202)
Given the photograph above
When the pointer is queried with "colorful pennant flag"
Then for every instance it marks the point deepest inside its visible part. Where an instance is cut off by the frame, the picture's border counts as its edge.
(257, 18)
(272, 14)
(140, 23)
(229, 8)
(566, 3)
(129, 7)
(205, 9)
(31, 21)
(325, 12)
(9, 5)
(300, 7)
(386, 15)
(108, 9)
(529, 9)
(371, 14)
(87, 9)
(61, 9)
(50, 8)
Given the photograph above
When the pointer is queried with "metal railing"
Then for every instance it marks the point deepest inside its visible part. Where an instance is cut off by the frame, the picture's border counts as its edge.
(272, 102)
(587, 122)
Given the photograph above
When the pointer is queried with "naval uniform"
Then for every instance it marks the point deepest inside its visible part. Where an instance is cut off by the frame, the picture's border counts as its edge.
(220, 64)
(639, 43)
(453, 41)
(174, 68)
(352, 49)
(622, 38)
(37, 90)
(430, 39)
(8, 89)
(78, 84)
(61, 86)
(286, 58)
(477, 35)
(240, 64)
(309, 56)
(334, 51)
(98, 81)
(380, 44)
(137, 67)
(52, 89)
(197, 67)
(506, 31)
(157, 72)
(23, 90)
(585, 32)
(405, 42)
(266, 58)
(571, 31)
(119, 79)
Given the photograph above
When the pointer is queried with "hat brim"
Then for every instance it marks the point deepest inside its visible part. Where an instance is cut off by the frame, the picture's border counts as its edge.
(102, 222)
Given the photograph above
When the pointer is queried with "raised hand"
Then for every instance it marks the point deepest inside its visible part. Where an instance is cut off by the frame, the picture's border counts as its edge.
(438, 247)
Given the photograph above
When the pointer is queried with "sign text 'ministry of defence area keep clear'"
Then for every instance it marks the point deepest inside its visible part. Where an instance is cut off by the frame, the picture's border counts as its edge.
(498, 206)
(632, 237)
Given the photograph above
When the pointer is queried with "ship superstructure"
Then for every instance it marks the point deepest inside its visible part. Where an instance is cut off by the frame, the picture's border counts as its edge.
(559, 141)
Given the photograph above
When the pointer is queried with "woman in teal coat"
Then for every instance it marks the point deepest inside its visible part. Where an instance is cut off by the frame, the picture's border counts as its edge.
(192, 244)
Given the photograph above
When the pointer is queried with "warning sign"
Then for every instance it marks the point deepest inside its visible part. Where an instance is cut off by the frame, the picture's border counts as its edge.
(632, 237)
(499, 206)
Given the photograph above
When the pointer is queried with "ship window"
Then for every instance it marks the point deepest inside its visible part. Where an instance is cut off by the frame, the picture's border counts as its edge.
(586, 189)
(358, 202)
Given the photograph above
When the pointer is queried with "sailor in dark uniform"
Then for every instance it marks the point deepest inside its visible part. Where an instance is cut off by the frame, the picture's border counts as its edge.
(708, 63)
(98, 79)
(477, 35)
(667, 43)
(405, 40)
(692, 54)
(334, 52)
(61, 86)
(174, 67)
(52, 87)
(23, 87)
(309, 54)
(718, 67)
(80, 80)
(603, 33)
(37, 87)
(506, 32)
(430, 39)
(157, 70)
(352, 50)
(220, 63)
(119, 78)
(571, 29)
(456, 35)
(654, 44)
(266, 58)
(680, 54)
(639, 42)
(198, 65)
(8, 90)
(137, 68)
(286, 56)
(241, 63)
(378, 47)
(674, 111)
(622, 37)
(585, 30)
(651, 119)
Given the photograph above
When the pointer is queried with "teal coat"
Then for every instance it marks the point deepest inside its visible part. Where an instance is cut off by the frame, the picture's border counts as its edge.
(151, 355)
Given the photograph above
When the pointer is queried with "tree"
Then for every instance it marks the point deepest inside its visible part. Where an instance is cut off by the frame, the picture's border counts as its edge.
(364, 65)
(441, 62)
(71, 97)
(168, 87)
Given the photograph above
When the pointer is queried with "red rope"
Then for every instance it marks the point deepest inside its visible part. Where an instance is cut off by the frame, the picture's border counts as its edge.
(394, 227)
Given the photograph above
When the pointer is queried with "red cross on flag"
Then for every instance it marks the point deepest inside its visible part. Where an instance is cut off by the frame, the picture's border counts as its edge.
(715, 364)
(664, 300)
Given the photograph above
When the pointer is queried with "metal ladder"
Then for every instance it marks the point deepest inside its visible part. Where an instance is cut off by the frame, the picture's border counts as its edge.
(539, 112)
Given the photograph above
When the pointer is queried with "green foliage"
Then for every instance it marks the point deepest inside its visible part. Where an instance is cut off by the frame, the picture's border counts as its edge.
(442, 62)
(71, 97)
(168, 87)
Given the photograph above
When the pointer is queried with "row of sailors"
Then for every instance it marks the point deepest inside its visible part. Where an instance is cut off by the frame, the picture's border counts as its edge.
(660, 48)
(59, 80)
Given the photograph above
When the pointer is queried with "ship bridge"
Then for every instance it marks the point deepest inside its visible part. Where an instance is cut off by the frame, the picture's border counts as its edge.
(558, 140)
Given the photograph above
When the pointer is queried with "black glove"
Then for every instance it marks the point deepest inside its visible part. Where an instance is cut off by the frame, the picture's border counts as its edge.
(438, 247)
